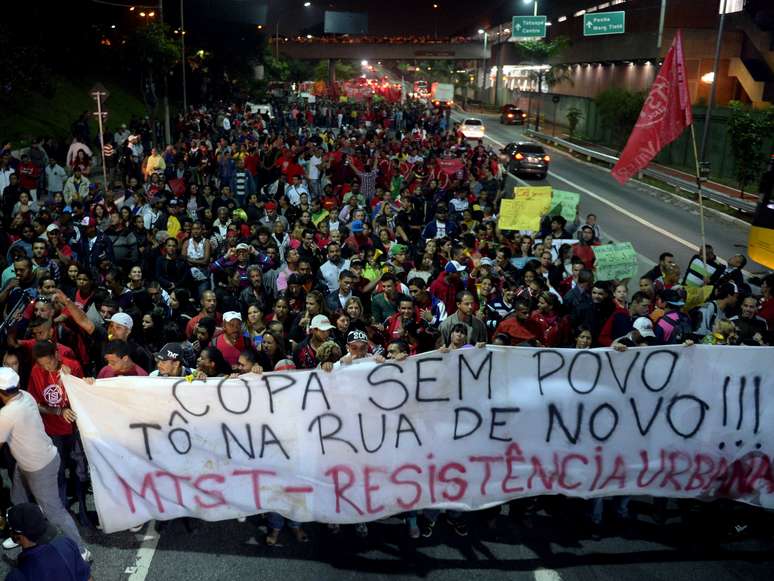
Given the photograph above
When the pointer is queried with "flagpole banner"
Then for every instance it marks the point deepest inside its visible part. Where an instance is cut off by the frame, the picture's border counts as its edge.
(665, 114)
(462, 430)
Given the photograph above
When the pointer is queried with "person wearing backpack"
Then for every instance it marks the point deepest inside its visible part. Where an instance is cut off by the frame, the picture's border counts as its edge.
(705, 316)
(673, 327)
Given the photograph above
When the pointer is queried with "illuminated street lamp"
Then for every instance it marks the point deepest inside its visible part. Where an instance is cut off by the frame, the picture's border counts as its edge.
(536, 5)
(277, 23)
(364, 63)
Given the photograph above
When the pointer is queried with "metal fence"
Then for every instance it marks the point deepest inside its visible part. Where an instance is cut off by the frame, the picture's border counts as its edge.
(674, 181)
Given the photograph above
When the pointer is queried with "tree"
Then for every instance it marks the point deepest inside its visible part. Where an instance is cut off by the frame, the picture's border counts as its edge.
(344, 71)
(746, 129)
(574, 116)
(156, 52)
(538, 53)
(619, 110)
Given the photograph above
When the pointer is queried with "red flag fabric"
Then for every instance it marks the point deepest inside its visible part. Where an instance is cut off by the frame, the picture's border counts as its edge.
(664, 116)
(449, 165)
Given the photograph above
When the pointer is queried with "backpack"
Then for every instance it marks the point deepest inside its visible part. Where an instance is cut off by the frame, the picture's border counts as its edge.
(675, 329)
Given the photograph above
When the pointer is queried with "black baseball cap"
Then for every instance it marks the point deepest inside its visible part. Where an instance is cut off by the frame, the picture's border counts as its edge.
(28, 519)
(170, 352)
(357, 336)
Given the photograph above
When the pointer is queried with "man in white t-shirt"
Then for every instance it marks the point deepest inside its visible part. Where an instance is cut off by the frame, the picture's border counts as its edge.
(313, 172)
(37, 460)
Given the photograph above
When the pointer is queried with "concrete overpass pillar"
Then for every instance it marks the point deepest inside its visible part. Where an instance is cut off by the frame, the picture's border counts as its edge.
(331, 72)
(498, 74)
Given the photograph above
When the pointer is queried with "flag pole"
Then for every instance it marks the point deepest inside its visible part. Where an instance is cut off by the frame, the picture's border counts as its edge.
(703, 249)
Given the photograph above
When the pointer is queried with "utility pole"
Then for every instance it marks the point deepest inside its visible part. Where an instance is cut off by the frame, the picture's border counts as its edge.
(713, 88)
(100, 94)
(182, 56)
(167, 126)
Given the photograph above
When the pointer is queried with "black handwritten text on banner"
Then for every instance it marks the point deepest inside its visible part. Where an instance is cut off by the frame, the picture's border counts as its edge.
(463, 430)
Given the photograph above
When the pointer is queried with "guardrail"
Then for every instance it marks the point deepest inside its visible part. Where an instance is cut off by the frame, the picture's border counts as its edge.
(674, 181)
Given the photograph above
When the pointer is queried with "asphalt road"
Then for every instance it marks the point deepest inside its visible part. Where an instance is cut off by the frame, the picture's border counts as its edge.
(551, 545)
(653, 221)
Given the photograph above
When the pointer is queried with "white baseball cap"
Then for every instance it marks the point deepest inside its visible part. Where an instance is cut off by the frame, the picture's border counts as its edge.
(9, 379)
(645, 327)
(122, 319)
(321, 322)
(231, 315)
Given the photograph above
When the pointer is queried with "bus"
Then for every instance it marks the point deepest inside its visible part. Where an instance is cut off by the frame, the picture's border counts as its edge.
(760, 245)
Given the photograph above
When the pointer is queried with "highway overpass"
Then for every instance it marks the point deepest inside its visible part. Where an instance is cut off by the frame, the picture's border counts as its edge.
(314, 50)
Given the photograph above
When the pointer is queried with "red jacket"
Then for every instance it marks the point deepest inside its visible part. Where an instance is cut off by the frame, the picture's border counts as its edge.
(446, 292)
(518, 332)
(586, 253)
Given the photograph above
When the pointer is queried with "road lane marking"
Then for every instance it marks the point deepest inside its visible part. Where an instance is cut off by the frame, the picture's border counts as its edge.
(613, 205)
(627, 213)
(546, 575)
(139, 571)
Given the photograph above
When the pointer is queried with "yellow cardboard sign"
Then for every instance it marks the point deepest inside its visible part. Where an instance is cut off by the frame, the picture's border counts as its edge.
(516, 215)
(525, 209)
(537, 198)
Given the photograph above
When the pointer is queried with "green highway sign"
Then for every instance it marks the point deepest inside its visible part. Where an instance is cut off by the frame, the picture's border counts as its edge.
(600, 23)
(528, 27)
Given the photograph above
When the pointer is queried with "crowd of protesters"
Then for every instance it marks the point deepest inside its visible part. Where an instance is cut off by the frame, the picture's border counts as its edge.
(303, 237)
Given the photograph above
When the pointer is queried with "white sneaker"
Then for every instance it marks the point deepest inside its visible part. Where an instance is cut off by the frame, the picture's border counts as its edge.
(9, 544)
(86, 555)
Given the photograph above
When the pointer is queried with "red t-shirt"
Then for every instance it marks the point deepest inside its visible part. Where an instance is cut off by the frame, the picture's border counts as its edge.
(47, 389)
(107, 372)
(230, 352)
(64, 351)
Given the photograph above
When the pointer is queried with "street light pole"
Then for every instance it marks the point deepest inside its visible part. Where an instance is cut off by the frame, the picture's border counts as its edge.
(182, 55)
(167, 125)
(715, 67)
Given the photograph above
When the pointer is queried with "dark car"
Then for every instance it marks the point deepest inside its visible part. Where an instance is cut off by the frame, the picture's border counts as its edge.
(511, 115)
(526, 157)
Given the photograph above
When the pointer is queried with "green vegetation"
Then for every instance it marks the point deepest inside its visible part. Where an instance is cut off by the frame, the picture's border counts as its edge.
(574, 116)
(345, 71)
(746, 130)
(538, 53)
(618, 110)
(39, 115)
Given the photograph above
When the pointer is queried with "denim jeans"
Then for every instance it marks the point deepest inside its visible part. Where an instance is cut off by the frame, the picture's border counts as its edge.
(277, 521)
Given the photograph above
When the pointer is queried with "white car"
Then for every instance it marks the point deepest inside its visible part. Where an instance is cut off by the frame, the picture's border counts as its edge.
(472, 128)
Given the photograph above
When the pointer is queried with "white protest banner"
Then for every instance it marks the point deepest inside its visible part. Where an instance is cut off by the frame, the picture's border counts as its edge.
(463, 430)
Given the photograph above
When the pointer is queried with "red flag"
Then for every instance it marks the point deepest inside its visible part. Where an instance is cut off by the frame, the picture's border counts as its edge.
(664, 116)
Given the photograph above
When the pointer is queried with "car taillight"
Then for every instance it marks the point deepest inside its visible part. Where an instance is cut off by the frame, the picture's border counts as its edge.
(546, 158)
(518, 156)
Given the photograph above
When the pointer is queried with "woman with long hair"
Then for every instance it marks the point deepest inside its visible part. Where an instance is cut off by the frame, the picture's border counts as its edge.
(254, 325)
(273, 347)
